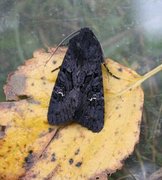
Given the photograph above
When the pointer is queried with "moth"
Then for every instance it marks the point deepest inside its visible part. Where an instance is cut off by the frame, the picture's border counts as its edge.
(78, 92)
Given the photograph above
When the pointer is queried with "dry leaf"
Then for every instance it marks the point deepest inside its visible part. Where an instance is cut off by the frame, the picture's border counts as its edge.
(30, 148)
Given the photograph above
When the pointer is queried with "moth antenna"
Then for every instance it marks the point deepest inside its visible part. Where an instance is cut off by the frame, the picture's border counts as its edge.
(67, 37)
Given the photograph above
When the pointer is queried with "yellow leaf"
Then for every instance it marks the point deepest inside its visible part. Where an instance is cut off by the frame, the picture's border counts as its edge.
(32, 148)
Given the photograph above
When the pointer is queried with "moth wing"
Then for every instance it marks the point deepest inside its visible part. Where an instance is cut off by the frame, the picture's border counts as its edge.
(62, 104)
(90, 113)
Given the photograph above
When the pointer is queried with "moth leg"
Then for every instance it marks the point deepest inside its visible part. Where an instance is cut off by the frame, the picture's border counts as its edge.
(56, 69)
(109, 72)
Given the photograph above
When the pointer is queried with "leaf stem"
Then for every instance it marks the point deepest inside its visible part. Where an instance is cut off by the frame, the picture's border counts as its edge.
(141, 79)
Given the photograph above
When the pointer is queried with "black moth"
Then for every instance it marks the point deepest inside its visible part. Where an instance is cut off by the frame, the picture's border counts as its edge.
(78, 92)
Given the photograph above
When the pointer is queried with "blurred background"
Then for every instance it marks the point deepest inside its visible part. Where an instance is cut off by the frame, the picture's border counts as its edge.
(130, 32)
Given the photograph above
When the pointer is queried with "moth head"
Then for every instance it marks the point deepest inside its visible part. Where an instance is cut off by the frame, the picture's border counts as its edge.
(85, 45)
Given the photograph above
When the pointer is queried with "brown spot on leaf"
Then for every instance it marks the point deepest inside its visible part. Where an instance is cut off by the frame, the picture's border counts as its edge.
(42, 78)
(2, 131)
(116, 132)
(30, 151)
(71, 161)
(30, 110)
(29, 160)
(78, 164)
(54, 62)
(120, 69)
(77, 152)
(34, 176)
(21, 97)
(53, 157)
(117, 107)
(50, 129)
